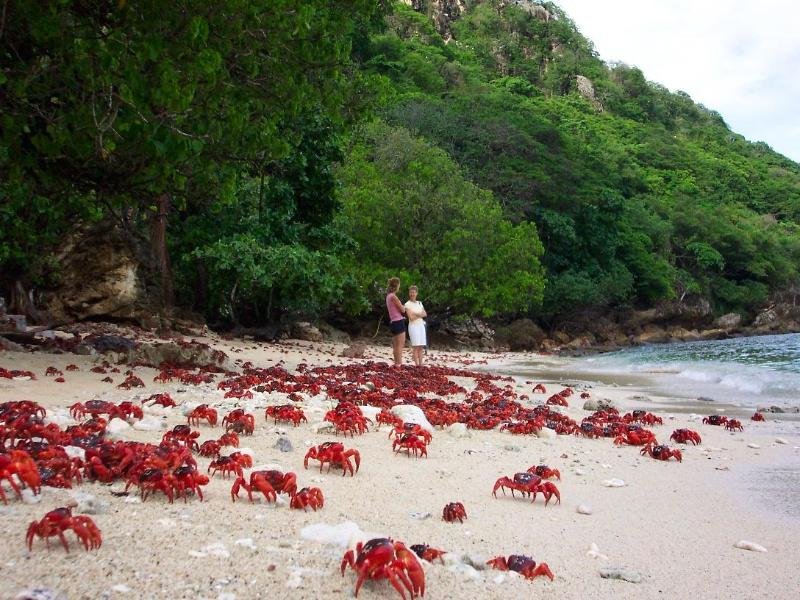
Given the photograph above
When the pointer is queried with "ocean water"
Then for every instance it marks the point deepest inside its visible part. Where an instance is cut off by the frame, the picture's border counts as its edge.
(747, 371)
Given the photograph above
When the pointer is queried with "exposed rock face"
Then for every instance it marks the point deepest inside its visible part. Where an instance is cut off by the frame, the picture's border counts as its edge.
(586, 89)
(302, 330)
(441, 12)
(468, 331)
(99, 277)
(532, 8)
(522, 334)
(728, 321)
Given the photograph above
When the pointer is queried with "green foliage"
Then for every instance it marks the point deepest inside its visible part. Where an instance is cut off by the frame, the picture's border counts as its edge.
(412, 212)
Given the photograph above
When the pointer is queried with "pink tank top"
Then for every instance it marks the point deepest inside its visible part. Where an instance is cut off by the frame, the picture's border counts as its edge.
(394, 312)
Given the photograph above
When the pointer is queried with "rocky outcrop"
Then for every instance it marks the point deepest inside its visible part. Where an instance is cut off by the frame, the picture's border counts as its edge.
(468, 331)
(586, 89)
(99, 277)
(520, 335)
(441, 12)
(534, 9)
(303, 330)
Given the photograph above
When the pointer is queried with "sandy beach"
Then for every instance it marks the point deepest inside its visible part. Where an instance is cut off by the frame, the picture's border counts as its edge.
(671, 527)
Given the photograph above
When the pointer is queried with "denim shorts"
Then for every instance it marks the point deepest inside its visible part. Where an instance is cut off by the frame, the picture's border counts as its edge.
(398, 326)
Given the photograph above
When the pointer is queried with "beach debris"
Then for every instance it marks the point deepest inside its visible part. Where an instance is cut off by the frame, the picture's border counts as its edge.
(524, 565)
(454, 511)
(661, 452)
(594, 552)
(546, 433)
(459, 431)
(89, 504)
(747, 545)
(283, 444)
(620, 573)
(150, 423)
(705, 399)
(584, 509)
(580, 471)
(614, 483)
(511, 448)
(323, 427)
(343, 535)
(753, 445)
(384, 558)
(246, 543)
(215, 549)
(683, 436)
(40, 594)
(420, 515)
(120, 588)
(780, 441)
(528, 484)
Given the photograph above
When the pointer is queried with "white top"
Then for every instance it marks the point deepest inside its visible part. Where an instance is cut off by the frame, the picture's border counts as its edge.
(414, 307)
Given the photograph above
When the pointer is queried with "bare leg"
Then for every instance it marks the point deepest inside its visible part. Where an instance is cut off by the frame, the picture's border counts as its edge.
(417, 354)
(398, 341)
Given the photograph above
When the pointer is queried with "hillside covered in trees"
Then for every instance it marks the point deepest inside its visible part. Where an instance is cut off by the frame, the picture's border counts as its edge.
(272, 160)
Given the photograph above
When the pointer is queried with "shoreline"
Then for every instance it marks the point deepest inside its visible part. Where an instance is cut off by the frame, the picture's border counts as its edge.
(674, 524)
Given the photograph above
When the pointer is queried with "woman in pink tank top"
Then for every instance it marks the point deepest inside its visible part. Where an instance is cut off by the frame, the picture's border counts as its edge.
(397, 324)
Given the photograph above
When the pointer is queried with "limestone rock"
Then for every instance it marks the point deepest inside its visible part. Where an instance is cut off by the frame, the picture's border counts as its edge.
(355, 350)
(620, 573)
(303, 330)
(520, 335)
(586, 88)
(728, 321)
(412, 414)
(766, 317)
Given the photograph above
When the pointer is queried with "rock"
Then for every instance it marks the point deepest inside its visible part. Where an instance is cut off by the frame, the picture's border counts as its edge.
(746, 545)
(546, 433)
(40, 594)
(412, 414)
(343, 535)
(303, 330)
(370, 412)
(594, 552)
(116, 429)
(584, 509)
(586, 89)
(468, 331)
(10, 346)
(753, 445)
(283, 444)
(458, 431)
(593, 404)
(620, 573)
(120, 588)
(705, 399)
(355, 350)
(420, 516)
(149, 423)
(28, 497)
(651, 334)
(322, 427)
(511, 448)
(108, 343)
(728, 321)
(775, 409)
(194, 354)
(614, 483)
(520, 335)
(765, 318)
(75, 452)
(580, 472)
(89, 504)
(331, 334)
(781, 441)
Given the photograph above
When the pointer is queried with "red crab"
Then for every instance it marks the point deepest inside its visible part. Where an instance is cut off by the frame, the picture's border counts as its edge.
(229, 438)
(151, 480)
(131, 381)
(715, 420)
(412, 428)
(734, 424)
(454, 511)
(286, 412)
(127, 409)
(757, 416)
(334, 454)
(21, 464)
(410, 443)
(384, 558)
(187, 478)
(239, 421)
(386, 417)
(72, 368)
(545, 472)
(210, 448)
(683, 436)
(164, 400)
(182, 434)
(557, 399)
(528, 483)
(524, 565)
(233, 463)
(308, 496)
(539, 388)
(52, 372)
(661, 452)
(425, 552)
(635, 437)
(57, 521)
(202, 413)
(642, 416)
(266, 482)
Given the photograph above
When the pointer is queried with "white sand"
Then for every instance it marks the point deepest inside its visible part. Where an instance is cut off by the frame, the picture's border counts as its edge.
(674, 524)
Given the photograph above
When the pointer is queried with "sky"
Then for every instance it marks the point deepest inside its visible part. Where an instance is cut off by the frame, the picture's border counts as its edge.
(741, 59)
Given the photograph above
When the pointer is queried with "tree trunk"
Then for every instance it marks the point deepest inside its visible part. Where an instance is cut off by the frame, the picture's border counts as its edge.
(21, 303)
(158, 241)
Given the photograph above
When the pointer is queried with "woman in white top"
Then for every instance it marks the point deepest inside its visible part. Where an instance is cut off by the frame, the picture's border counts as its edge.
(416, 325)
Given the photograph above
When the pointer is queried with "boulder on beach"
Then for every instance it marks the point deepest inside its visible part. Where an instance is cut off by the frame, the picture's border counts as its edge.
(412, 414)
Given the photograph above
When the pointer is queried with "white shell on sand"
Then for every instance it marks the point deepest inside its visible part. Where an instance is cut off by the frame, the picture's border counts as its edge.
(594, 552)
(745, 545)
(412, 414)
(458, 431)
(614, 483)
(584, 509)
(150, 423)
(344, 535)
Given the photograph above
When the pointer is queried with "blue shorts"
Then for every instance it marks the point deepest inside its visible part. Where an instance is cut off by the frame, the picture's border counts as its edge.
(398, 327)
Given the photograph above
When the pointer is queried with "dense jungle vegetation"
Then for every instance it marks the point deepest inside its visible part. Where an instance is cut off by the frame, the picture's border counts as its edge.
(281, 158)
